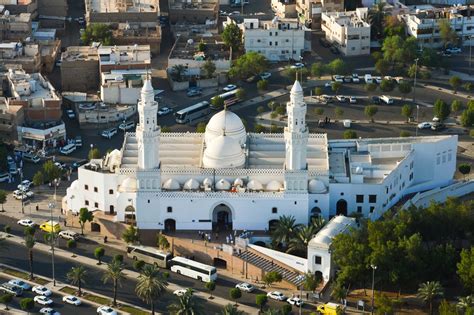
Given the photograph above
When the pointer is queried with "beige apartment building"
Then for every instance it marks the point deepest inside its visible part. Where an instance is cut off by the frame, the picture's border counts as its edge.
(14, 27)
(21, 6)
(193, 11)
(80, 69)
(15, 54)
(144, 12)
(130, 34)
(11, 116)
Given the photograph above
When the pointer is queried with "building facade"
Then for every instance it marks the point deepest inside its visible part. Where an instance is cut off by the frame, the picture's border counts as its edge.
(227, 178)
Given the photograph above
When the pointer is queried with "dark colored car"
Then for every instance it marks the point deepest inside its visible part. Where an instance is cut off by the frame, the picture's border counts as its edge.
(78, 164)
(375, 99)
(438, 126)
(334, 50)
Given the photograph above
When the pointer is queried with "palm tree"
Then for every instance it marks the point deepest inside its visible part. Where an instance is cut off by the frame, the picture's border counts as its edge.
(186, 305)
(230, 309)
(318, 223)
(429, 291)
(299, 243)
(76, 276)
(466, 303)
(376, 18)
(151, 285)
(285, 229)
(114, 273)
(29, 244)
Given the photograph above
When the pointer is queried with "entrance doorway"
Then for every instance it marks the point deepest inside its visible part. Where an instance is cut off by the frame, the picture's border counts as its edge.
(170, 225)
(220, 263)
(272, 225)
(341, 207)
(222, 218)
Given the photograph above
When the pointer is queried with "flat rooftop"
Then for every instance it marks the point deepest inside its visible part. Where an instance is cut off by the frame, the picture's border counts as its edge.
(80, 53)
(30, 86)
(187, 48)
(118, 6)
(193, 4)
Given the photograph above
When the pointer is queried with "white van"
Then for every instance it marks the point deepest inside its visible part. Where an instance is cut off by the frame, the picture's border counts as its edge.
(109, 133)
(126, 125)
(368, 78)
(68, 149)
(29, 157)
(386, 99)
(4, 177)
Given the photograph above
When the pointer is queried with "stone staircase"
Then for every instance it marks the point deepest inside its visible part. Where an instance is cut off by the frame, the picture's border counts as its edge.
(267, 265)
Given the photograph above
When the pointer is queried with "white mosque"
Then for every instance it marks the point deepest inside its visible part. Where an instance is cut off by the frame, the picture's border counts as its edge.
(230, 178)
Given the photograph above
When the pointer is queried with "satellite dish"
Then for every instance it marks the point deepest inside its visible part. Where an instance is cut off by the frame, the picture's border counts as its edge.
(190, 41)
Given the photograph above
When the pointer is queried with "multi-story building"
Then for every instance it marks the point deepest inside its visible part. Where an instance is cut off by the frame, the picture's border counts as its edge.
(284, 8)
(122, 86)
(124, 57)
(277, 39)
(83, 63)
(193, 11)
(424, 24)
(21, 6)
(11, 116)
(309, 11)
(16, 54)
(14, 27)
(348, 30)
(144, 12)
(128, 34)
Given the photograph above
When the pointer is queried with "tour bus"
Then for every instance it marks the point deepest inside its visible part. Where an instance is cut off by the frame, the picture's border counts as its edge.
(149, 255)
(230, 98)
(193, 269)
(193, 112)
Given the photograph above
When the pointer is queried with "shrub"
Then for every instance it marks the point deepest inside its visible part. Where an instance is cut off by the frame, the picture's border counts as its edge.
(71, 244)
(286, 309)
(7, 229)
(118, 257)
(350, 134)
(166, 274)
(138, 265)
(262, 85)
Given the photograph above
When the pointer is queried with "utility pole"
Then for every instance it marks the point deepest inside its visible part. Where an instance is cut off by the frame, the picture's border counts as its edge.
(51, 206)
(374, 267)
(414, 82)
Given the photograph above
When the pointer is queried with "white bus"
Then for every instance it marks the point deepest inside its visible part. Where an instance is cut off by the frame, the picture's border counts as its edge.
(149, 255)
(193, 269)
(193, 112)
(230, 98)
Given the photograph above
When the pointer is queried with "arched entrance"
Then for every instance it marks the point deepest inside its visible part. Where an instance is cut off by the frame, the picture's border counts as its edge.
(170, 225)
(130, 217)
(315, 212)
(272, 225)
(341, 207)
(220, 263)
(222, 218)
(319, 276)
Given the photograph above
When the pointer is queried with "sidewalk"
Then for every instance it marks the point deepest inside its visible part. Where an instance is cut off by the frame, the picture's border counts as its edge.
(128, 273)
(447, 91)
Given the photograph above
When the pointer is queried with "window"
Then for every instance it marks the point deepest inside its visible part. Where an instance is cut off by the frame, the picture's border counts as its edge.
(359, 198)
(359, 209)
(317, 260)
(86, 202)
(96, 205)
(276, 33)
(258, 41)
(372, 209)
(95, 189)
(274, 210)
(169, 209)
(372, 198)
(86, 187)
(411, 176)
(111, 191)
(276, 43)
(270, 33)
(287, 40)
(270, 43)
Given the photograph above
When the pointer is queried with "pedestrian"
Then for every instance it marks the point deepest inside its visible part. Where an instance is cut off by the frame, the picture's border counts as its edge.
(37, 207)
(217, 236)
(209, 238)
(272, 263)
(105, 239)
(307, 296)
(65, 223)
(227, 239)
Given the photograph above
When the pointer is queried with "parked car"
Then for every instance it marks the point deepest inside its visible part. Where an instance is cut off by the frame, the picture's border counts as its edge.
(20, 283)
(78, 141)
(244, 286)
(70, 113)
(375, 99)
(49, 311)
(334, 50)
(12, 289)
(296, 301)
(22, 194)
(355, 78)
(378, 80)
(50, 226)
(126, 125)
(26, 222)
(229, 87)
(338, 78)
(109, 133)
(265, 75)
(328, 84)
(180, 292)
(68, 148)
(194, 92)
(353, 100)
(25, 184)
(106, 310)
(386, 99)
(79, 163)
(69, 235)
(43, 300)
(437, 126)
(453, 50)
(348, 79)
(341, 98)
(297, 65)
(41, 290)
(424, 125)
(33, 158)
(276, 295)
(71, 299)
(164, 111)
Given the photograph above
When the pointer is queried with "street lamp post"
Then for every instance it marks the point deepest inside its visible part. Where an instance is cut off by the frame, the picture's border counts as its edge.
(90, 152)
(51, 206)
(55, 183)
(414, 82)
(20, 170)
(300, 278)
(417, 112)
(374, 267)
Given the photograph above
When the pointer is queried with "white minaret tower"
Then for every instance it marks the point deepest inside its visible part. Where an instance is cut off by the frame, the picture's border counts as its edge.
(148, 131)
(296, 133)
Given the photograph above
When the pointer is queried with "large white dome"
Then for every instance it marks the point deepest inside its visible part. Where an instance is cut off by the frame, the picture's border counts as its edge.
(274, 185)
(222, 184)
(315, 186)
(191, 184)
(223, 152)
(254, 185)
(228, 122)
(129, 184)
(171, 184)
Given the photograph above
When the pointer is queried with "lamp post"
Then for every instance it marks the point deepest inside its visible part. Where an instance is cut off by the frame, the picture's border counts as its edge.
(417, 112)
(90, 152)
(20, 170)
(300, 278)
(51, 206)
(414, 82)
(55, 183)
(374, 267)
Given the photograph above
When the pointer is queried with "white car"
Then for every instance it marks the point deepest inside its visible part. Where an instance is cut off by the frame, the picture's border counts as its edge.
(41, 290)
(20, 283)
(229, 87)
(69, 235)
(295, 301)
(22, 194)
(276, 295)
(297, 65)
(378, 80)
(453, 50)
(180, 292)
(341, 98)
(244, 286)
(26, 183)
(49, 311)
(265, 75)
(70, 113)
(106, 310)
(71, 299)
(126, 125)
(164, 111)
(26, 222)
(355, 78)
(352, 100)
(424, 125)
(43, 300)
(338, 78)
(328, 84)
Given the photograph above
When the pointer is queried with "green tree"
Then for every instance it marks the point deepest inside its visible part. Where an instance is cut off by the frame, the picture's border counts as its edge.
(262, 85)
(76, 276)
(30, 243)
(97, 33)
(99, 252)
(467, 86)
(272, 277)
(27, 304)
(336, 86)
(232, 37)
(446, 308)
(456, 106)
(5, 299)
(370, 87)
(386, 85)
(261, 300)
(94, 153)
(114, 273)
(337, 66)
(230, 309)
(281, 110)
(318, 69)
(339, 112)
(466, 303)
(441, 109)
(465, 269)
(429, 291)
(404, 88)
(210, 286)
(384, 305)
(162, 242)
(85, 216)
(186, 305)
(393, 26)
(447, 34)
(318, 91)
(71, 244)
(51, 171)
(29, 230)
(370, 111)
(138, 265)
(404, 134)
(311, 281)
(285, 229)
(249, 64)
(208, 69)
(467, 118)
(150, 285)
(38, 178)
(260, 111)
(392, 49)
(178, 72)
(350, 134)
(407, 111)
(130, 235)
(3, 198)
(202, 46)
(235, 294)
(201, 127)
(455, 82)
(464, 169)
(292, 74)
(382, 66)
(217, 102)
(376, 18)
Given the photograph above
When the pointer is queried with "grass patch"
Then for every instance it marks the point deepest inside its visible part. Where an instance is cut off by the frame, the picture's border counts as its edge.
(24, 275)
(96, 299)
(132, 310)
(68, 290)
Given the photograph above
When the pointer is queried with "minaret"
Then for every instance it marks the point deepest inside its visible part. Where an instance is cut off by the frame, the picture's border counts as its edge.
(148, 131)
(296, 132)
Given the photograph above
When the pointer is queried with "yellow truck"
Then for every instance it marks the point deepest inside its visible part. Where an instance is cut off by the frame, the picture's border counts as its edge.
(331, 309)
(50, 226)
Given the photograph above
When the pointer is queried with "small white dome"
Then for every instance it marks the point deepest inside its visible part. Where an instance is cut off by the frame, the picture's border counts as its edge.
(228, 122)
(238, 182)
(359, 170)
(171, 184)
(129, 184)
(223, 152)
(191, 184)
(207, 182)
(274, 185)
(296, 88)
(222, 184)
(315, 186)
(254, 185)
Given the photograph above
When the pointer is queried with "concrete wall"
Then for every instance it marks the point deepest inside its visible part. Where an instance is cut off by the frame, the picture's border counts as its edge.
(80, 75)
(52, 7)
(117, 95)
